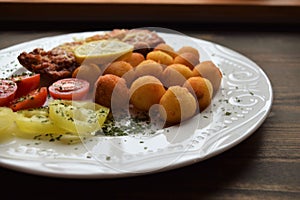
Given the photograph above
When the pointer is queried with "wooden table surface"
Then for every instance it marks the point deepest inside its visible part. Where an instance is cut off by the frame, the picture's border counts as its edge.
(264, 166)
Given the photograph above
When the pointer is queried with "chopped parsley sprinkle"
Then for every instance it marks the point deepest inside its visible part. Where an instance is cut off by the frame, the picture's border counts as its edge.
(228, 113)
(125, 127)
(237, 99)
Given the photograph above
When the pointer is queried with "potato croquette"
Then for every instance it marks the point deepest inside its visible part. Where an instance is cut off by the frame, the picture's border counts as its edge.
(145, 92)
(176, 74)
(189, 49)
(160, 57)
(129, 77)
(148, 67)
(168, 85)
(210, 71)
(135, 59)
(202, 89)
(187, 59)
(88, 72)
(166, 48)
(111, 90)
(178, 104)
(118, 68)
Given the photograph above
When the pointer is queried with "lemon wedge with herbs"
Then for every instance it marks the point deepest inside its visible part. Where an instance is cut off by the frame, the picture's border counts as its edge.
(102, 51)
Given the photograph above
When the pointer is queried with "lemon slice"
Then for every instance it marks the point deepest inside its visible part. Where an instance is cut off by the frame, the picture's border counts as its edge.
(102, 51)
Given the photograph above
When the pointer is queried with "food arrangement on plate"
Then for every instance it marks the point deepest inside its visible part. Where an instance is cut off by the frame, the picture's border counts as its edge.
(78, 88)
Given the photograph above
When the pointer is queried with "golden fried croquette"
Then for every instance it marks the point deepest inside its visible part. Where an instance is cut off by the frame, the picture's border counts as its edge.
(210, 71)
(176, 74)
(88, 72)
(160, 57)
(188, 59)
(148, 67)
(166, 48)
(135, 59)
(189, 49)
(202, 89)
(145, 92)
(118, 68)
(178, 104)
(111, 90)
(129, 77)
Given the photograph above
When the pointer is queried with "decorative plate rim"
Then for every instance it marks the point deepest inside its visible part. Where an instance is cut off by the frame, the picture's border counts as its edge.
(248, 110)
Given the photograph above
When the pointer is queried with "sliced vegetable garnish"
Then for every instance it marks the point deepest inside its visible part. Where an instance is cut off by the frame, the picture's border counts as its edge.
(34, 99)
(8, 90)
(77, 117)
(33, 124)
(69, 89)
(26, 83)
(37, 121)
(6, 121)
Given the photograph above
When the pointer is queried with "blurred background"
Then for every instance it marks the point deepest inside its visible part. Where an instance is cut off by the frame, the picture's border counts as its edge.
(177, 14)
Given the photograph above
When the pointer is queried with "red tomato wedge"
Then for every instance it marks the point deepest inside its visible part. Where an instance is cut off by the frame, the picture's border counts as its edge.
(69, 89)
(26, 83)
(35, 99)
(8, 90)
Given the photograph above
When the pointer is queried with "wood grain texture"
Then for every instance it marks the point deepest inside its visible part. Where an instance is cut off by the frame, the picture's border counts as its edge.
(265, 166)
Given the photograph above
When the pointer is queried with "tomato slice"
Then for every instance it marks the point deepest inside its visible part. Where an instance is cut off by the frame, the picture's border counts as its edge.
(34, 99)
(26, 83)
(8, 90)
(69, 89)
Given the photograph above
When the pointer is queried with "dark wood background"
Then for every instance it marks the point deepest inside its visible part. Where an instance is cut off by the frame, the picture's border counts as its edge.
(264, 166)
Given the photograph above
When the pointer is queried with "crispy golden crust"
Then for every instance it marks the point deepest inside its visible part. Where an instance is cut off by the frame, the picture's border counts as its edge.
(145, 92)
(118, 68)
(178, 104)
(149, 67)
(111, 90)
(210, 71)
(135, 59)
(201, 88)
(167, 49)
(176, 74)
(187, 59)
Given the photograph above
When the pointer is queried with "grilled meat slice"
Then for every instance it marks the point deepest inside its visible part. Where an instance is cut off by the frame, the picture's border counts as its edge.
(55, 64)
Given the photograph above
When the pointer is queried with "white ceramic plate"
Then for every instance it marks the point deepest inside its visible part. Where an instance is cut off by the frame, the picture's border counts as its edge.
(237, 110)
